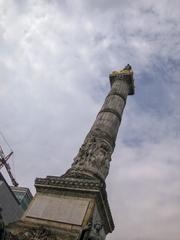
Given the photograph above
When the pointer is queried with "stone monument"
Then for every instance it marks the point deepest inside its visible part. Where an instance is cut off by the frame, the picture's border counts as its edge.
(74, 206)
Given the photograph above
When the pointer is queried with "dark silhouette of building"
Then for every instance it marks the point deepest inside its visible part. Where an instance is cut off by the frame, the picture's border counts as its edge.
(23, 195)
(11, 209)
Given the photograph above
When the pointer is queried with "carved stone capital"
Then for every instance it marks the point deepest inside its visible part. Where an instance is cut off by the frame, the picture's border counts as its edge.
(125, 74)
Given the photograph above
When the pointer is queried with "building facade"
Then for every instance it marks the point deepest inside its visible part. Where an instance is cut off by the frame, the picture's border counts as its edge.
(23, 196)
(11, 209)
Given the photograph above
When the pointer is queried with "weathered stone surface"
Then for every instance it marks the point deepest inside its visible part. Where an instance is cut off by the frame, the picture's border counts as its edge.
(32, 234)
(92, 232)
(78, 186)
(75, 206)
(39, 233)
(60, 209)
(94, 156)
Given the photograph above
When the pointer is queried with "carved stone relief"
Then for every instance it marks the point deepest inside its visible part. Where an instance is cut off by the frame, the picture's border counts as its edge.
(32, 234)
(94, 155)
(91, 232)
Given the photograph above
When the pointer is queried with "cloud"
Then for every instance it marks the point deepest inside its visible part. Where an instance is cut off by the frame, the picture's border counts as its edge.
(55, 58)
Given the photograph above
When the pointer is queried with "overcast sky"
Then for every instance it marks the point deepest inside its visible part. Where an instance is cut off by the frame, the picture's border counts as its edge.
(55, 58)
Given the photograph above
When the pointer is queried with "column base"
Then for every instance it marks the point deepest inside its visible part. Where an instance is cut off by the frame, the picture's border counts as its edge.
(65, 209)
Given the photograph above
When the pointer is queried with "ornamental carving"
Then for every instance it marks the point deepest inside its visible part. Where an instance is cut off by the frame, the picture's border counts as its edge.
(94, 155)
(91, 232)
(32, 234)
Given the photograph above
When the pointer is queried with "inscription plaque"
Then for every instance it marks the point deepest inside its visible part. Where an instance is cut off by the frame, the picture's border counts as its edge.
(59, 209)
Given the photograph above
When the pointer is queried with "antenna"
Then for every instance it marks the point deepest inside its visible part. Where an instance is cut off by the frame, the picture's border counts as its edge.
(3, 162)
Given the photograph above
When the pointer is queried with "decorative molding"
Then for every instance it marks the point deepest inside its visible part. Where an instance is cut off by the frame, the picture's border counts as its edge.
(110, 110)
(94, 156)
(40, 233)
(115, 93)
(67, 182)
(79, 188)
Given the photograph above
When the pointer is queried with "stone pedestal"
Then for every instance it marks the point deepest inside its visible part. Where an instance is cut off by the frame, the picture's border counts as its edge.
(66, 206)
(75, 206)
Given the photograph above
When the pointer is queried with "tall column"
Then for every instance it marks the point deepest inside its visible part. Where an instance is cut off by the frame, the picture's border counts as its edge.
(74, 206)
(94, 156)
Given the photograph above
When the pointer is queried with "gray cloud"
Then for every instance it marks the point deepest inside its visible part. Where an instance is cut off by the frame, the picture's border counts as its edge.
(55, 58)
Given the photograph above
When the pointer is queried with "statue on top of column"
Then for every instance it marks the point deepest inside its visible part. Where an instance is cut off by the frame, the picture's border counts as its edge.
(126, 70)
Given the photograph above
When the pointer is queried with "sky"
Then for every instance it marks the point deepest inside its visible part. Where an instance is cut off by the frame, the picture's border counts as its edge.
(55, 60)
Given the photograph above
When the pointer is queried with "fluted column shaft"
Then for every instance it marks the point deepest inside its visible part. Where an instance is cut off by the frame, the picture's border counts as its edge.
(109, 117)
(94, 155)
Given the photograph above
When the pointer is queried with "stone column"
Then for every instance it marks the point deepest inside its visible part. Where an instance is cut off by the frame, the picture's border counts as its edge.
(75, 205)
(94, 156)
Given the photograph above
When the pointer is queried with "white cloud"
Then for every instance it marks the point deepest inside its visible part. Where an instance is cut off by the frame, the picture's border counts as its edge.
(55, 58)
